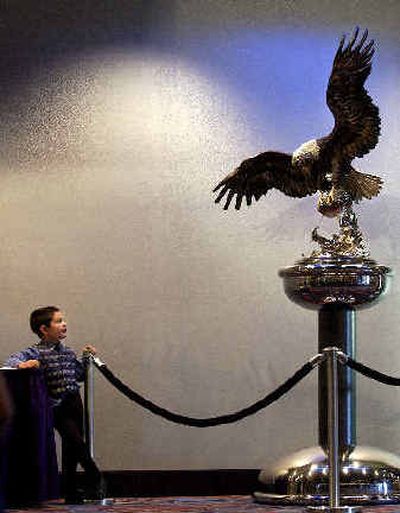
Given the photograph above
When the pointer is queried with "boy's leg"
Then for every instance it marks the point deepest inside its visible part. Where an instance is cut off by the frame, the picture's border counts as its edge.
(69, 458)
(69, 465)
(68, 420)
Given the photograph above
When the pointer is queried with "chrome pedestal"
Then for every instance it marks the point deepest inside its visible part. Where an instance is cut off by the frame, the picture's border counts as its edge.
(336, 287)
(367, 476)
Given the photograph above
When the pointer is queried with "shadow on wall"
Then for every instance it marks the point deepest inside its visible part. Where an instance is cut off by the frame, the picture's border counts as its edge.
(33, 35)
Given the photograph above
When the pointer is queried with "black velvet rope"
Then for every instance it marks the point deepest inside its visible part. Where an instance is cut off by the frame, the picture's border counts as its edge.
(211, 421)
(372, 373)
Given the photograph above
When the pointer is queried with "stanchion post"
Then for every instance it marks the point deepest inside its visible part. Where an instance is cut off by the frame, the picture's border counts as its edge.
(333, 428)
(88, 412)
(89, 403)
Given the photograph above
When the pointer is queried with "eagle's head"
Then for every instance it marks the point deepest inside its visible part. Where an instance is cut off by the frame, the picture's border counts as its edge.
(331, 203)
(305, 155)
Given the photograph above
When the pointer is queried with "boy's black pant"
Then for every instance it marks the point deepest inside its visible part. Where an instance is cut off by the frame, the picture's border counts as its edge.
(68, 421)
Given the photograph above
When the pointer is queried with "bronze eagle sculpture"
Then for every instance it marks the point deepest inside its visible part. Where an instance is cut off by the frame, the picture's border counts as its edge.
(322, 165)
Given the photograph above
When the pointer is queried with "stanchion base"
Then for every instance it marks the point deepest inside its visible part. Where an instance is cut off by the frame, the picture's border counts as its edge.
(107, 502)
(369, 476)
(100, 502)
(337, 509)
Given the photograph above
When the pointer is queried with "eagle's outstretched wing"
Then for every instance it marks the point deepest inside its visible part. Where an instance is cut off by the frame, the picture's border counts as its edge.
(257, 175)
(357, 121)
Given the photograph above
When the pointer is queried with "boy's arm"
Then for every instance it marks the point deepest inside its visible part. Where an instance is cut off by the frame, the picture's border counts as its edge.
(23, 359)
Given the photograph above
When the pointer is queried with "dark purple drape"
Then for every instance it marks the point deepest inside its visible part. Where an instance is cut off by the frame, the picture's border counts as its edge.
(30, 461)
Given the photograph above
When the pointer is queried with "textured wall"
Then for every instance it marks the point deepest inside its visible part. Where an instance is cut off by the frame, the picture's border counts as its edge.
(117, 120)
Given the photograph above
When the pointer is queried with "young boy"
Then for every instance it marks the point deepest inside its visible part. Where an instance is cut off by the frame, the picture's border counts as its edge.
(63, 372)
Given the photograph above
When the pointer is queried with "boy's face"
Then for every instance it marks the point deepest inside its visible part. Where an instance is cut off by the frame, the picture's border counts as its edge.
(57, 329)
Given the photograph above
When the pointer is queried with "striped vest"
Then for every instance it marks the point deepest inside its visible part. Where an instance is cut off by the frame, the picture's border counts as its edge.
(62, 370)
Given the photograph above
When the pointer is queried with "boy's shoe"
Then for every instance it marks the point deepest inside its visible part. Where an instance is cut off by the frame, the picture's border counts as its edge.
(98, 492)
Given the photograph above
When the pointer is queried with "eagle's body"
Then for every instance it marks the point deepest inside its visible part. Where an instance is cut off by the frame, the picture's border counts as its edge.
(322, 165)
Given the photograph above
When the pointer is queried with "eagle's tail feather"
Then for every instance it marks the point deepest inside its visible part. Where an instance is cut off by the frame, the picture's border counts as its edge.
(362, 185)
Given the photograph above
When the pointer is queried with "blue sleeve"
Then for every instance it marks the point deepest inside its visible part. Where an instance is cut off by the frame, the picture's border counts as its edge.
(31, 353)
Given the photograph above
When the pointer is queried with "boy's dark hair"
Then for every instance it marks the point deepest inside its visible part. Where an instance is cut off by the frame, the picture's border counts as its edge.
(42, 316)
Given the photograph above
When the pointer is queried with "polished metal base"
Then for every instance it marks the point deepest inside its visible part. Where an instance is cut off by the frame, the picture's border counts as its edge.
(335, 509)
(367, 476)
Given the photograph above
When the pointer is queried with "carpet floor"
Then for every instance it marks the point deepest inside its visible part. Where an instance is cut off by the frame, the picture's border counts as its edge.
(223, 504)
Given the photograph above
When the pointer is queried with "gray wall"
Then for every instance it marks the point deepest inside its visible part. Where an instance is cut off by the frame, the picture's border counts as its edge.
(118, 118)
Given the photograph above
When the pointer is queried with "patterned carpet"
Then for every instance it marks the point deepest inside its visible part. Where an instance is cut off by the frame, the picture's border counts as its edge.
(225, 504)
